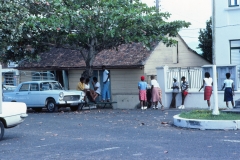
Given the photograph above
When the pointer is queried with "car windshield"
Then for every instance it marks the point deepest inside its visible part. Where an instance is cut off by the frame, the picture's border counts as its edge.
(50, 86)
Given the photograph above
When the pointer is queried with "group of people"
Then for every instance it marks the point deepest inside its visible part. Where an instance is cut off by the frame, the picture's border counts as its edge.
(156, 93)
(84, 85)
(207, 85)
(228, 86)
(184, 92)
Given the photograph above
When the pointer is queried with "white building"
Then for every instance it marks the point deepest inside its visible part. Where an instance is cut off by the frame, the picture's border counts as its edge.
(227, 32)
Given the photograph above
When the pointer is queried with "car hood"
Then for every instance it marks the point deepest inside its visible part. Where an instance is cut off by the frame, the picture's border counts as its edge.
(13, 108)
(77, 92)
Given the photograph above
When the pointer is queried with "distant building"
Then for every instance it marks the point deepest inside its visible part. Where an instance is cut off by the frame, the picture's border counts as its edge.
(227, 32)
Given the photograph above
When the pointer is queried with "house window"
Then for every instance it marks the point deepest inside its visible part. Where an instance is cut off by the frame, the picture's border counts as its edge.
(235, 51)
(233, 3)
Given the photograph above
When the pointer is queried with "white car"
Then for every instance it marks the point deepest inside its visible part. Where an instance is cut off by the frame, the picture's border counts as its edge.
(40, 94)
(13, 113)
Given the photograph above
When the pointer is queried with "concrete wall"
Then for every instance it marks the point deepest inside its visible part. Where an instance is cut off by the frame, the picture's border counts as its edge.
(175, 56)
(124, 87)
(227, 28)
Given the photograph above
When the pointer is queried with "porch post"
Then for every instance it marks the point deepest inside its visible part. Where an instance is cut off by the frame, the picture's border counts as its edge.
(162, 80)
(65, 80)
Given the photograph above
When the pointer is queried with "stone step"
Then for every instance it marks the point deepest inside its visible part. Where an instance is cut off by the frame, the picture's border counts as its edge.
(237, 103)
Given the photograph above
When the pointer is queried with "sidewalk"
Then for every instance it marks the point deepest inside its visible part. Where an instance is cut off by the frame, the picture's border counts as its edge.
(234, 110)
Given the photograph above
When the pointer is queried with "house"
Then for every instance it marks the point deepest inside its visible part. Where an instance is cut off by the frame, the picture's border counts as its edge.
(126, 65)
(227, 32)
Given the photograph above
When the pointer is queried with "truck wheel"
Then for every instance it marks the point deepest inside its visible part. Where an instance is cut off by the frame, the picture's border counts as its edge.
(51, 105)
(1, 130)
(74, 108)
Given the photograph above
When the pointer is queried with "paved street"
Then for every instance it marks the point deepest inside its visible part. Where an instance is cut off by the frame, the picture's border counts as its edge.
(115, 134)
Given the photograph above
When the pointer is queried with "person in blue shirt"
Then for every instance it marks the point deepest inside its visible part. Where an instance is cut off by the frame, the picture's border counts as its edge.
(142, 86)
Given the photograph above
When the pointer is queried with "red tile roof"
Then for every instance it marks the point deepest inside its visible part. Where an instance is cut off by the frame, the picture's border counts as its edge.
(127, 56)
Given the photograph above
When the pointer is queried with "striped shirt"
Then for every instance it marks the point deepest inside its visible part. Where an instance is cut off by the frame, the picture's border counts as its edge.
(184, 86)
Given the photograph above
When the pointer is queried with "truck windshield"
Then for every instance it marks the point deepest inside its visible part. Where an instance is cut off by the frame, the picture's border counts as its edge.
(50, 86)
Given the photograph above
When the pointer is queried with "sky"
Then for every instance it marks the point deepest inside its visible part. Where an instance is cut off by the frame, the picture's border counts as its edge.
(197, 12)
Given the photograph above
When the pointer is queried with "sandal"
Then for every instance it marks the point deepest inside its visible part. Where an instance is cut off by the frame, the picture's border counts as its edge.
(162, 108)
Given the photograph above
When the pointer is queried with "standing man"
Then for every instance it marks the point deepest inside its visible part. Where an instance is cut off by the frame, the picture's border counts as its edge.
(105, 92)
(175, 91)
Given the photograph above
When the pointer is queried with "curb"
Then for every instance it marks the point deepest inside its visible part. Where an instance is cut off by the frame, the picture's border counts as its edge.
(206, 124)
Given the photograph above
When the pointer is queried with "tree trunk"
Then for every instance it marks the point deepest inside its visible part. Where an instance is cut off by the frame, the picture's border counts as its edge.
(89, 60)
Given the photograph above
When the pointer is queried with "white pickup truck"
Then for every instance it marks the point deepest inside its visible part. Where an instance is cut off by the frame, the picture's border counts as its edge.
(13, 113)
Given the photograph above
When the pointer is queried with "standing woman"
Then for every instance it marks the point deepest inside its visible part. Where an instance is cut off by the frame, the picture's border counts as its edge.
(184, 88)
(156, 93)
(229, 89)
(142, 86)
(207, 84)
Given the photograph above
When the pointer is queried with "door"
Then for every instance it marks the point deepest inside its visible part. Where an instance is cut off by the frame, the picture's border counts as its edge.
(34, 95)
(99, 75)
(23, 94)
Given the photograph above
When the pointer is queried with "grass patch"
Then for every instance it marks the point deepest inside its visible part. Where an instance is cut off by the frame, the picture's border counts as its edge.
(207, 115)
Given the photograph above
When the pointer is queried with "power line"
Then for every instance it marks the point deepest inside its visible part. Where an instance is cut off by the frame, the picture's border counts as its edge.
(228, 26)
(188, 36)
(192, 28)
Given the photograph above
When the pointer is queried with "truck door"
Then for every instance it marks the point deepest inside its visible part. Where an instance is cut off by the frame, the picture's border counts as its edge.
(23, 94)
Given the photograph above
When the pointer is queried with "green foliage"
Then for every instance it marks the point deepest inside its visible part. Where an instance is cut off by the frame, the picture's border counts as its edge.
(205, 39)
(19, 38)
(207, 115)
(89, 26)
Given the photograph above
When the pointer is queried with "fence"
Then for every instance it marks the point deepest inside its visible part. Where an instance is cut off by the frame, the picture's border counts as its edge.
(193, 76)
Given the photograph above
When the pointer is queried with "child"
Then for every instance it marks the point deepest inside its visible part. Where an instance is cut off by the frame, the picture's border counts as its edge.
(142, 86)
(184, 88)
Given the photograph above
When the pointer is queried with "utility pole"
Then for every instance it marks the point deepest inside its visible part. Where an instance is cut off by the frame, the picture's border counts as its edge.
(215, 92)
(157, 5)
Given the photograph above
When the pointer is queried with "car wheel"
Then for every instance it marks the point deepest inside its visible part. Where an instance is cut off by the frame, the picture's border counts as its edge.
(74, 108)
(51, 105)
(1, 130)
(37, 109)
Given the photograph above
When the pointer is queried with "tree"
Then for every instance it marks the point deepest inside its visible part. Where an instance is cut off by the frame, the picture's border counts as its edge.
(91, 26)
(205, 39)
(16, 42)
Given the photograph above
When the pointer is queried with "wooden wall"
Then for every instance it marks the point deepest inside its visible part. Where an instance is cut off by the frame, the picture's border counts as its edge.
(175, 56)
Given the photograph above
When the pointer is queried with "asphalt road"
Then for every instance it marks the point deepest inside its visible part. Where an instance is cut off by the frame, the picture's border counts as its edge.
(115, 134)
